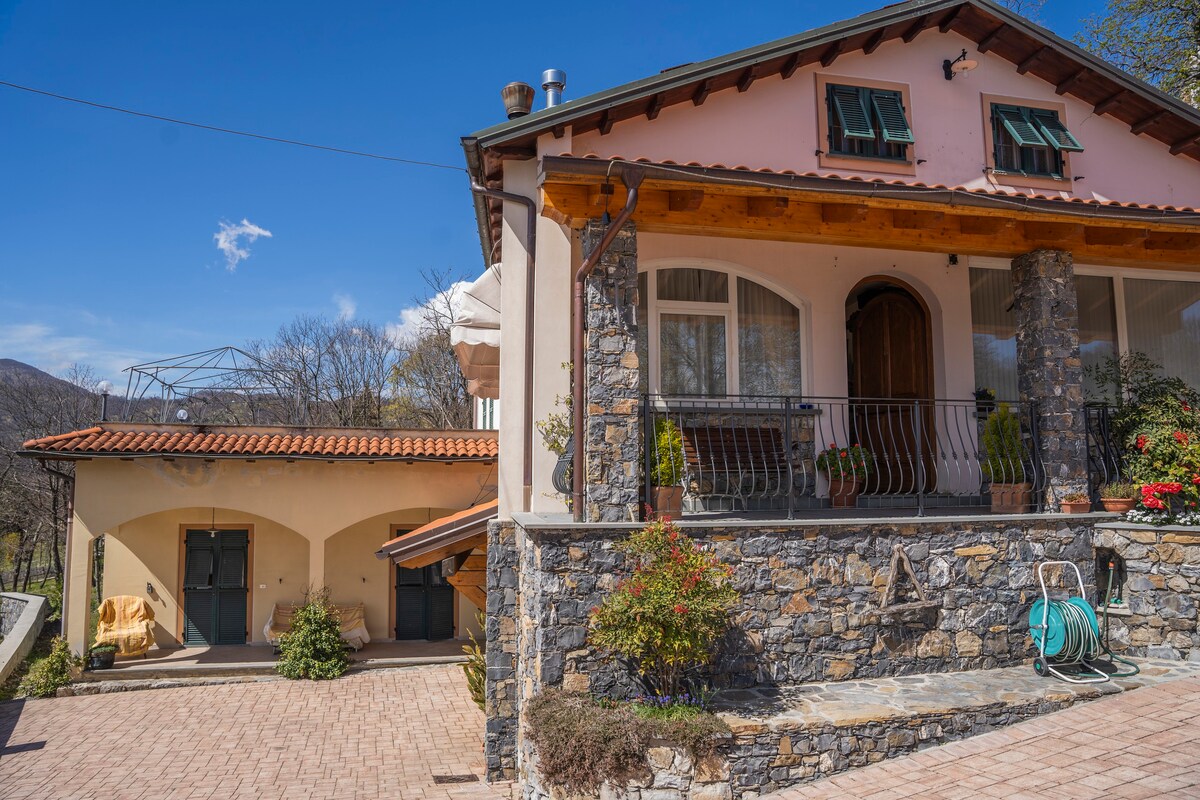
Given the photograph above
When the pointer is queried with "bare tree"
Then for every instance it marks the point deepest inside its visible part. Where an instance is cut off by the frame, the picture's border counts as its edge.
(430, 389)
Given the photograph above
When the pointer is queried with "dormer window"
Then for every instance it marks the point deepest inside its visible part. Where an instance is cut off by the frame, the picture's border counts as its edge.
(1030, 141)
(867, 123)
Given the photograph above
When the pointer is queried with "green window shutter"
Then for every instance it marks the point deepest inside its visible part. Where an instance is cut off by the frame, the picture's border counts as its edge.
(890, 112)
(852, 114)
(1055, 132)
(1019, 127)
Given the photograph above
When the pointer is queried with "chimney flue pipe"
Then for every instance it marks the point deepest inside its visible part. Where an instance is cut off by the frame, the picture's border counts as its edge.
(553, 82)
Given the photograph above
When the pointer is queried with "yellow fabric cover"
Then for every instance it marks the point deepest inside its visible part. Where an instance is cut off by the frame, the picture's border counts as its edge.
(353, 621)
(127, 622)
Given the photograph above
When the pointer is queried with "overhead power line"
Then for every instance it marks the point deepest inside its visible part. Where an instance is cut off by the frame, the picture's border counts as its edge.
(263, 137)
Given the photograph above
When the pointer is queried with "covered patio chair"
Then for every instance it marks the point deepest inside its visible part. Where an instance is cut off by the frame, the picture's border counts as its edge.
(128, 623)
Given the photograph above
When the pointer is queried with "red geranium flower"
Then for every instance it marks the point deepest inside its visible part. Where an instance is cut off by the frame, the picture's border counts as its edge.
(1141, 442)
(1181, 437)
(680, 609)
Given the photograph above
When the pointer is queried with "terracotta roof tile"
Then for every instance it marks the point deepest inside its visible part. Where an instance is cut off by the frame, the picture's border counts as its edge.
(998, 192)
(129, 439)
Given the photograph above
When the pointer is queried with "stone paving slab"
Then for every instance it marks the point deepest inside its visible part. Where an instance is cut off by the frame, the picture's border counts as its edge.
(381, 733)
(1138, 744)
(847, 703)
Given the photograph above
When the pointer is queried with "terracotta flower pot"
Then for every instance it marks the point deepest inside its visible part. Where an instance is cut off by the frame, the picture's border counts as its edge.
(668, 500)
(1117, 505)
(843, 492)
(1011, 498)
(1075, 507)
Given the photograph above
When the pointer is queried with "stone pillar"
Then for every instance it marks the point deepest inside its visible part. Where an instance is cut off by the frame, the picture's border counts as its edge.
(612, 432)
(502, 688)
(1049, 369)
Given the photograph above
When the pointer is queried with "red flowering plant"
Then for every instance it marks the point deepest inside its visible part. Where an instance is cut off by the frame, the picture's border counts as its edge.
(845, 463)
(666, 616)
(1164, 457)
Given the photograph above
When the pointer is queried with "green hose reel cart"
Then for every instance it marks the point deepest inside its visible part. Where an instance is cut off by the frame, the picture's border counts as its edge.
(1068, 635)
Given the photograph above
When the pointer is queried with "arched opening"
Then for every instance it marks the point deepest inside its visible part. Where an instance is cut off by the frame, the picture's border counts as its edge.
(890, 380)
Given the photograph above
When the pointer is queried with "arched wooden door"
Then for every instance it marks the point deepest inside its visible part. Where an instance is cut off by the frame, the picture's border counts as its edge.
(890, 364)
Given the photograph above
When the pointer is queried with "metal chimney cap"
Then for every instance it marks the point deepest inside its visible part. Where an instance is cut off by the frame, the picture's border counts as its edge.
(518, 99)
(554, 77)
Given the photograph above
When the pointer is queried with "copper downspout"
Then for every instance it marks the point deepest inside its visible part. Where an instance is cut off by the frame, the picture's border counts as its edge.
(530, 251)
(631, 176)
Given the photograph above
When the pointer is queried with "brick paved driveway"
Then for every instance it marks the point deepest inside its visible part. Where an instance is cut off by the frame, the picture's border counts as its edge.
(378, 734)
(1144, 743)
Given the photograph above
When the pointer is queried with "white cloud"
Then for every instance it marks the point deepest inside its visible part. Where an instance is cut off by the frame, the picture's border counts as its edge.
(42, 346)
(229, 241)
(412, 319)
(346, 306)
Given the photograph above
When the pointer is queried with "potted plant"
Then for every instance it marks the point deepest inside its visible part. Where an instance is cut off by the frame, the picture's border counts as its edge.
(666, 468)
(1118, 497)
(1003, 463)
(846, 468)
(1075, 503)
(985, 400)
(102, 656)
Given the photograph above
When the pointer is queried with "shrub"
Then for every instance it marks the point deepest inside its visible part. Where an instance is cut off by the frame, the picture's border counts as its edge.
(1164, 455)
(845, 462)
(100, 649)
(666, 616)
(666, 459)
(50, 674)
(475, 668)
(1076, 497)
(313, 648)
(582, 742)
(1002, 447)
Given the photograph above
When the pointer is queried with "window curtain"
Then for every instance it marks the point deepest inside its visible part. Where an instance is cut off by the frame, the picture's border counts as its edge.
(1097, 329)
(692, 351)
(693, 285)
(768, 342)
(643, 336)
(994, 332)
(1164, 323)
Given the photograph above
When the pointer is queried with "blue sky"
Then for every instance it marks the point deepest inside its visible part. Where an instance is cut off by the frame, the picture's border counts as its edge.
(107, 222)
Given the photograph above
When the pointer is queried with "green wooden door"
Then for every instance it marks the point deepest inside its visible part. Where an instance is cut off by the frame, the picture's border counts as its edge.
(424, 604)
(215, 587)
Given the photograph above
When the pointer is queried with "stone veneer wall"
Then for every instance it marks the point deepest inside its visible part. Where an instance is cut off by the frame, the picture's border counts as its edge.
(808, 611)
(612, 433)
(1162, 590)
(1049, 368)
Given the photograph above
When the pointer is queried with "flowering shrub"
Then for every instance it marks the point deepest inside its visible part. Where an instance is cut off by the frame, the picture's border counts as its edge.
(845, 462)
(666, 615)
(1164, 457)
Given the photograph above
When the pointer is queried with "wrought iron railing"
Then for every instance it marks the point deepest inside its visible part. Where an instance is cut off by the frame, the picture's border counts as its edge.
(764, 453)
(1107, 462)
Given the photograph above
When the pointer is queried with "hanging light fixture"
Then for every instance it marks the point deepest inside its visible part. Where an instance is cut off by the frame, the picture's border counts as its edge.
(960, 64)
(214, 530)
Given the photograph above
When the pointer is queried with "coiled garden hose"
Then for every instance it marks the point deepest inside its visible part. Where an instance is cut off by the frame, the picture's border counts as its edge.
(1107, 650)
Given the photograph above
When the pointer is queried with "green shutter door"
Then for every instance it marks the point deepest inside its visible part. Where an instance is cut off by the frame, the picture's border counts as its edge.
(410, 604)
(1054, 132)
(890, 112)
(441, 605)
(1019, 126)
(851, 113)
(215, 588)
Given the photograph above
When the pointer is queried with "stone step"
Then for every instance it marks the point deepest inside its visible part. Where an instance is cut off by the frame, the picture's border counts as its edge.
(793, 734)
(150, 671)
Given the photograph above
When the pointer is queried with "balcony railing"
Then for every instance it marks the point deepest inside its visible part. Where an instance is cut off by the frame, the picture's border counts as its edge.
(1107, 462)
(764, 453)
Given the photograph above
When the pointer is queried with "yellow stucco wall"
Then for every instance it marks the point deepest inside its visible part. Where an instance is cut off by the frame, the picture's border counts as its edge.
(314, 523)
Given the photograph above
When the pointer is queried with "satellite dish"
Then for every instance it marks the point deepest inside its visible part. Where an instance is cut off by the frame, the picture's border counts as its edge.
(181, 415)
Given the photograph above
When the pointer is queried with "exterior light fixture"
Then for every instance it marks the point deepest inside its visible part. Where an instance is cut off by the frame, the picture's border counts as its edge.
(214, 530)
(960, 64)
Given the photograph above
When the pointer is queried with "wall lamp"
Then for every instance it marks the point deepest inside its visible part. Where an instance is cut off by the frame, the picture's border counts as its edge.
(960, 64)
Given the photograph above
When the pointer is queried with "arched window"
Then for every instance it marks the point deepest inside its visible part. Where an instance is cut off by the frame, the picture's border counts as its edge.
(707, 332)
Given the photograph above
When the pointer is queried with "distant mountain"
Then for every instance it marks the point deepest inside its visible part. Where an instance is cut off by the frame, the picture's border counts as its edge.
(12, 371)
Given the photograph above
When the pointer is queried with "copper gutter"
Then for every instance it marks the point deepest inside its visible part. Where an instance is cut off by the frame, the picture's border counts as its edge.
(530, 251)
(631, 176)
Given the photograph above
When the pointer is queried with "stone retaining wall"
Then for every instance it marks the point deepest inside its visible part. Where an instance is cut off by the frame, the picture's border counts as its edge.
(809, 608)
(21, 619)
(1162, 590)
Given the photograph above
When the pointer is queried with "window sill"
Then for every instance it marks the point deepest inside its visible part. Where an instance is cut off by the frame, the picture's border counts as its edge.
(1062, 183)
(891, 166)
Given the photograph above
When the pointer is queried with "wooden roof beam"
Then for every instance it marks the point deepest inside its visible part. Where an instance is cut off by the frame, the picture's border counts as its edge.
(1113, 236)
(1053, 231)
(984, 226)
(606, 122)
(917, 220)
(1070, 82)
(1185, 143)
(790, 66)
(1109, 103)
(986, 42)
(834, 213)
(832, 52)
(684, 199)
(1147, 122)
(873, 43)
(1173, 241)
(656, 105)
(949, 20)
(914, 30)
(1025, 65)
(746, 79)
(766, 206)
(702, 92)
